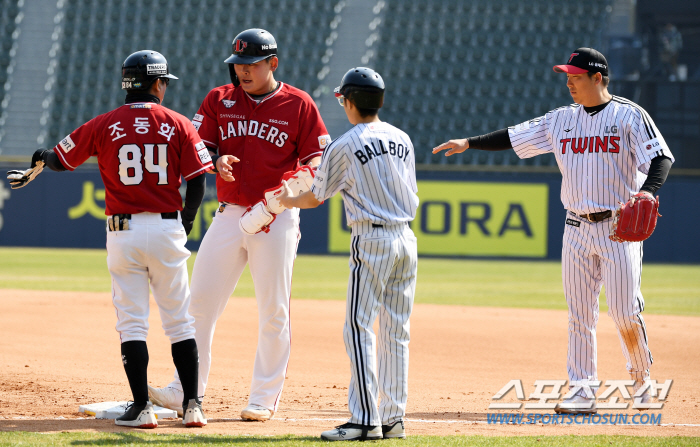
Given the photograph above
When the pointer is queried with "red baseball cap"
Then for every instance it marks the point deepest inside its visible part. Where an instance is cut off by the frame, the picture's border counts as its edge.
(584, 60)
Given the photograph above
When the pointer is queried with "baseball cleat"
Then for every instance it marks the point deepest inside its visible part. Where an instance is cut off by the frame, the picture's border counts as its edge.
(139, 416)
(641, 402)
(394, 430)
(194, 417)
(254, 412)
(353, 432)
(167, 397)
(577, 405)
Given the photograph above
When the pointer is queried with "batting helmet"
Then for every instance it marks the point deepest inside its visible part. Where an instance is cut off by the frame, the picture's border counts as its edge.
(364, 87)
(140, 69)
(249, 47)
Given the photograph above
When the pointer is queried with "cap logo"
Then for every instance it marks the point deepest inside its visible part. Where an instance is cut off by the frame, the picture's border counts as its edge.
(571, 57)
(240, 45)
(156, 69)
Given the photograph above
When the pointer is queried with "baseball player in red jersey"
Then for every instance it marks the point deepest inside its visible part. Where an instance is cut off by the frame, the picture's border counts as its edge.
(609, 151)
(142, 150)
(257, 129)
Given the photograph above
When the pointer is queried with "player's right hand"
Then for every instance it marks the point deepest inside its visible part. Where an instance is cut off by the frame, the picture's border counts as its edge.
(454, 146)
(223, 165)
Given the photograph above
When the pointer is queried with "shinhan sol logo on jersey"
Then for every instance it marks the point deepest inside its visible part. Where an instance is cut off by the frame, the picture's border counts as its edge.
(468, 219)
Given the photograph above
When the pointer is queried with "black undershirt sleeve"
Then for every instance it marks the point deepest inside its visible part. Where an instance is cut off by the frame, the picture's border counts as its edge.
(658, 171)
(494, 141)
(50, 159)
(193, 197)
(214, 158)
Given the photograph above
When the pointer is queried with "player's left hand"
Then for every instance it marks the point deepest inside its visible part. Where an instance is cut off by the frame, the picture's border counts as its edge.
(187, 225)
(286, 196)
(223, 165)
(19, 178)
(454, 146)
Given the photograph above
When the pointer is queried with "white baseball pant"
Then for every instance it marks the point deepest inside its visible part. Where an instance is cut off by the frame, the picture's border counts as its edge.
(151, 251)
(589, 260)
(382, 283)
(222, 256)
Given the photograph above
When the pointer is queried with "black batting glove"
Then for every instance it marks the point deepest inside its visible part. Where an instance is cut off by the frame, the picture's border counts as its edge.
(187, 224)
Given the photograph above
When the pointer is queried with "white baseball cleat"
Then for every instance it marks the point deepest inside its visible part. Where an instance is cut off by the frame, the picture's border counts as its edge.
(194, 417)
(139, 416)
(577, 405)
(254, 412)
(640, 402)
(394, 430)
(353, 432)
(167, 397)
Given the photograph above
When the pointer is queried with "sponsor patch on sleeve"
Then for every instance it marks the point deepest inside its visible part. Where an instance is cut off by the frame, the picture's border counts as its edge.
(204, 155)
(652, 145)
(323, 141)
(197, 124)
(198, 117)
(66, 144)
(319, 176)
(200, 145)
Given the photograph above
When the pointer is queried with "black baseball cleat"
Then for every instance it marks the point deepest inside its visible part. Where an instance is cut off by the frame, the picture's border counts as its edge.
(139, 416)
(352, 432)
(394, 430)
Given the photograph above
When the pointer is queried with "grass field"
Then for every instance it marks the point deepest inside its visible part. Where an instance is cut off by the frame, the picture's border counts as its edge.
(667, 289)
(135, 438)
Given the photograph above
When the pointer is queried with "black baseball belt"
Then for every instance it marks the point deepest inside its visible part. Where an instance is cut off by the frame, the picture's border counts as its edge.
(596, 217)
(120, 222)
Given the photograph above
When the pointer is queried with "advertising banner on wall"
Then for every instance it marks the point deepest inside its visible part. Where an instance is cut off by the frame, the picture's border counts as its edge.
(468, 219)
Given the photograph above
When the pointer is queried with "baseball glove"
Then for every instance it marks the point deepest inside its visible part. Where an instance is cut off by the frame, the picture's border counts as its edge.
(635, 220)
(260, 216)
(19, 178)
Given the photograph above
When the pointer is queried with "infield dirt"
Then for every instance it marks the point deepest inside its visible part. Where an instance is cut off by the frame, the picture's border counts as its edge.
(59, 350)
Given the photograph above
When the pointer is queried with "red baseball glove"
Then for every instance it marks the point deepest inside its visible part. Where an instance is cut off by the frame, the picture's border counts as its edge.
(635, 220)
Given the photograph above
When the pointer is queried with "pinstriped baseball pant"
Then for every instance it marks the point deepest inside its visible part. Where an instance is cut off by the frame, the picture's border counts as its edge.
(589, 260)
(383, 268)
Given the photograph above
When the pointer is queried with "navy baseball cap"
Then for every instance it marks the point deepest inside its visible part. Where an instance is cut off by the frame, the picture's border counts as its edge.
(584, 60)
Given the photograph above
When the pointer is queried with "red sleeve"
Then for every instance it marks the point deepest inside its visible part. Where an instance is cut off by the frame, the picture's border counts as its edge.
(313, 136)
(195, 158)
(79, 145)
(205, 121)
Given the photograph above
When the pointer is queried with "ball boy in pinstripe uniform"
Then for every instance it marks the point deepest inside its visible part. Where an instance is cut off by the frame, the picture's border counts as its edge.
(373, 167)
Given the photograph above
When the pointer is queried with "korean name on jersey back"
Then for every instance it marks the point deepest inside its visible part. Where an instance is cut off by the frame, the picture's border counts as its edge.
(253, 128)
(582, 145)
(396, 150)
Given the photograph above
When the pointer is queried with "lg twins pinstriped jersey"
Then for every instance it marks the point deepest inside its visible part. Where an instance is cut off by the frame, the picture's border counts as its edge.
(603, 156)
(373, 167)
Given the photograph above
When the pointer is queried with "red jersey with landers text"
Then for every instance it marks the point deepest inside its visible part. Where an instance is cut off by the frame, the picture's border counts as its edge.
(142, 150)
(603, 154)
(269, 138)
